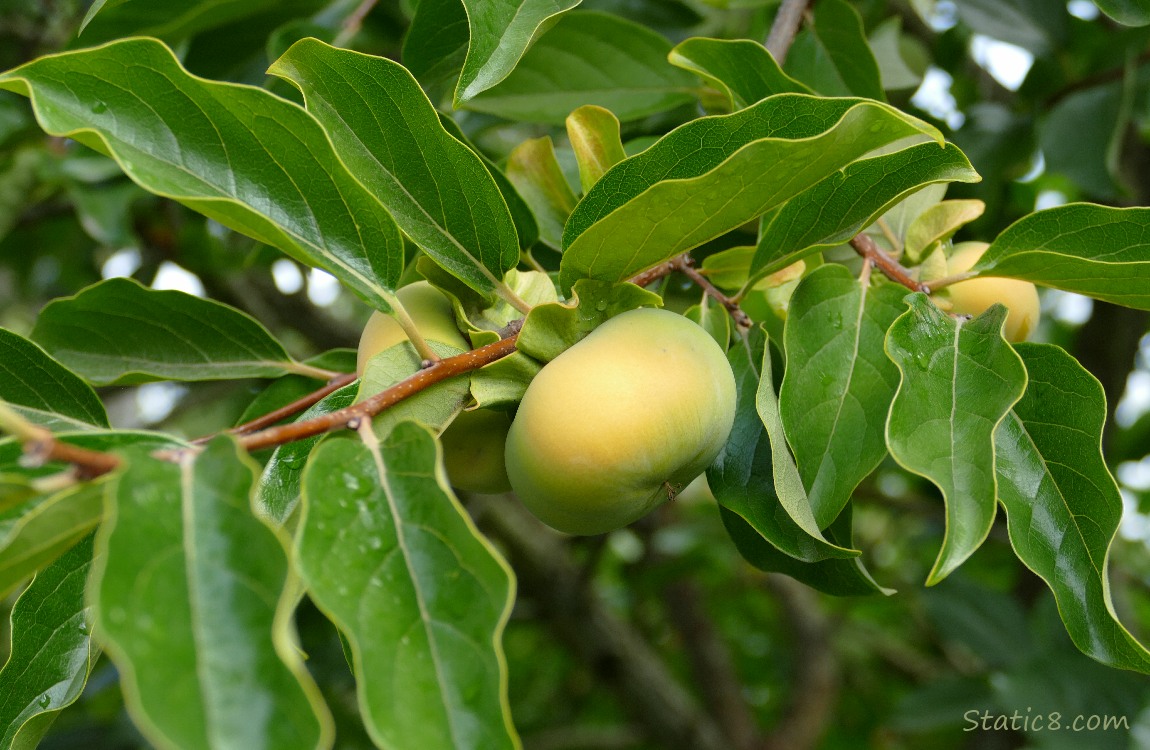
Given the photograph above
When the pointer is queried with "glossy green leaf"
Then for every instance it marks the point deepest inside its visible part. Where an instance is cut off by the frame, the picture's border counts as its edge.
(834, 576)
(188, 598)
(589, 58)
(713, 318)
(594, 135)
(32, 379)
(239, 155)
(730, 268)
(716, 173)
(51, 653)
(501, 32)
(1126, 12)
(938, 223)
(503, 383)
(959, 380)
(111, 18)
(535, 172)
(754, 476)
(832, 55)
(839, 383)
(278, 490)
(846, 202)
(435, 45)
(391, 139)
(1062, 506)
(387, 552)
(1094, 250)
(551, 329)
(740, 68)
(118, 331)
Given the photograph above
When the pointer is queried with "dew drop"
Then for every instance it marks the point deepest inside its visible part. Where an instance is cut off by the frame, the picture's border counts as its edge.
(601, 305)
(45, 701)
(99, 108)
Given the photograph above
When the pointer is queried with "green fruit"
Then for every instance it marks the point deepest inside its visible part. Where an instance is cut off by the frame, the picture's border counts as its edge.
(473, 448)
(619, 422)
(975, 296)
(433, 317)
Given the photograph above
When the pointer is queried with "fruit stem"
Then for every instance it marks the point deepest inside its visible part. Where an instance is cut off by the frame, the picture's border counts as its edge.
(401, 316)
(946, 281)
(511, 298)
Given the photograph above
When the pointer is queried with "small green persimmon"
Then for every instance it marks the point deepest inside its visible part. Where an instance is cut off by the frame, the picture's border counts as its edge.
(430, 310)
(622, 420)
(973, 297)
(473, 450)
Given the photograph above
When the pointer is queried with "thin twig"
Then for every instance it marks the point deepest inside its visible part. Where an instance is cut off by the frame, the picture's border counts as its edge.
(785, 27)
(660, 271)
(352, 24)
(288, 410)
(685, 265)
(867, 248)
(41, 447)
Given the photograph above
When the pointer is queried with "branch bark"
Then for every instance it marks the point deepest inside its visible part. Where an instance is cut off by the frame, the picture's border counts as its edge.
(785, 27)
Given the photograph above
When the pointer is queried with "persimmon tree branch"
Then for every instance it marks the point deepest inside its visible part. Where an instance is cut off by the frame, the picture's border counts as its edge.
(41, 446)
(785, 27)
(685, 265)
(866, 247)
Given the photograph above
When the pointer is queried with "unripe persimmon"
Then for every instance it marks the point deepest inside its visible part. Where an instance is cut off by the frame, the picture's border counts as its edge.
(973, 297)
(622, 420)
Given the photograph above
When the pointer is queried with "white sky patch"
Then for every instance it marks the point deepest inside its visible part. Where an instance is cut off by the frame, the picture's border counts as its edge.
(287, 276)
(945, 16)
(322, 288)
(1037, 168)
(1135, 526)
(1007, 63)
(1049, 199)
(1135, 474)
(171, 276)
(934, 96)
(1068, 307)
(1135, 401)
(155, 401)
(1083, 9)
(121, 263)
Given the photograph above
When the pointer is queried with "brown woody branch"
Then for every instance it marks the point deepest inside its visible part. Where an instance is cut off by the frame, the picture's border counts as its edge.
(785, 27)
(685, 265)
(866, 247)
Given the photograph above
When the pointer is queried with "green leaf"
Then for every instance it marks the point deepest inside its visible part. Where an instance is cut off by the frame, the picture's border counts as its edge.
(959, 380)
(589, 58)
(1035, 25)
(849, 200)
(716, 173)
(239, 155)
(713, 318)
(834, 576)
(435, 45)
(387, 552)
(120, 332)
(1062, 506)
(503, 383)
(938, 223)
(551, 329)
(838, 384)
(188, 595)
(279, 485)
(391, 139)
(535, 172)
(32, 379)
(1098, 251)
(51, 654)
(501, 32)
(833, 57)
(594, 135)
(1126, 12)
(741, 68)
(730, 268)
(754, 476)
(107, 19)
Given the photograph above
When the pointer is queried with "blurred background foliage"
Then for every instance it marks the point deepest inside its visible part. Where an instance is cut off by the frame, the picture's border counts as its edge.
(1051, 102)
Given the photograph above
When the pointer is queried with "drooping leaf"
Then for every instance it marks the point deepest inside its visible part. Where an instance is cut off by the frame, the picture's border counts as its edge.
(278, 490)
(716, 173)
(240, 155)
(551, 329)
(1062, 506)
(834, 576)
(1126, 12)
(118, 331)
(387, 552)
(535, 172)
(1098, 251)
(501, 32)
(32, 379)
(832, 55)
(390, 137)
(188, 597)
(959, 380)
(846, 202)
(838, 384)
(594, 135)
(741, 68)
(51, 653)
(589, 58)
(754, 476)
